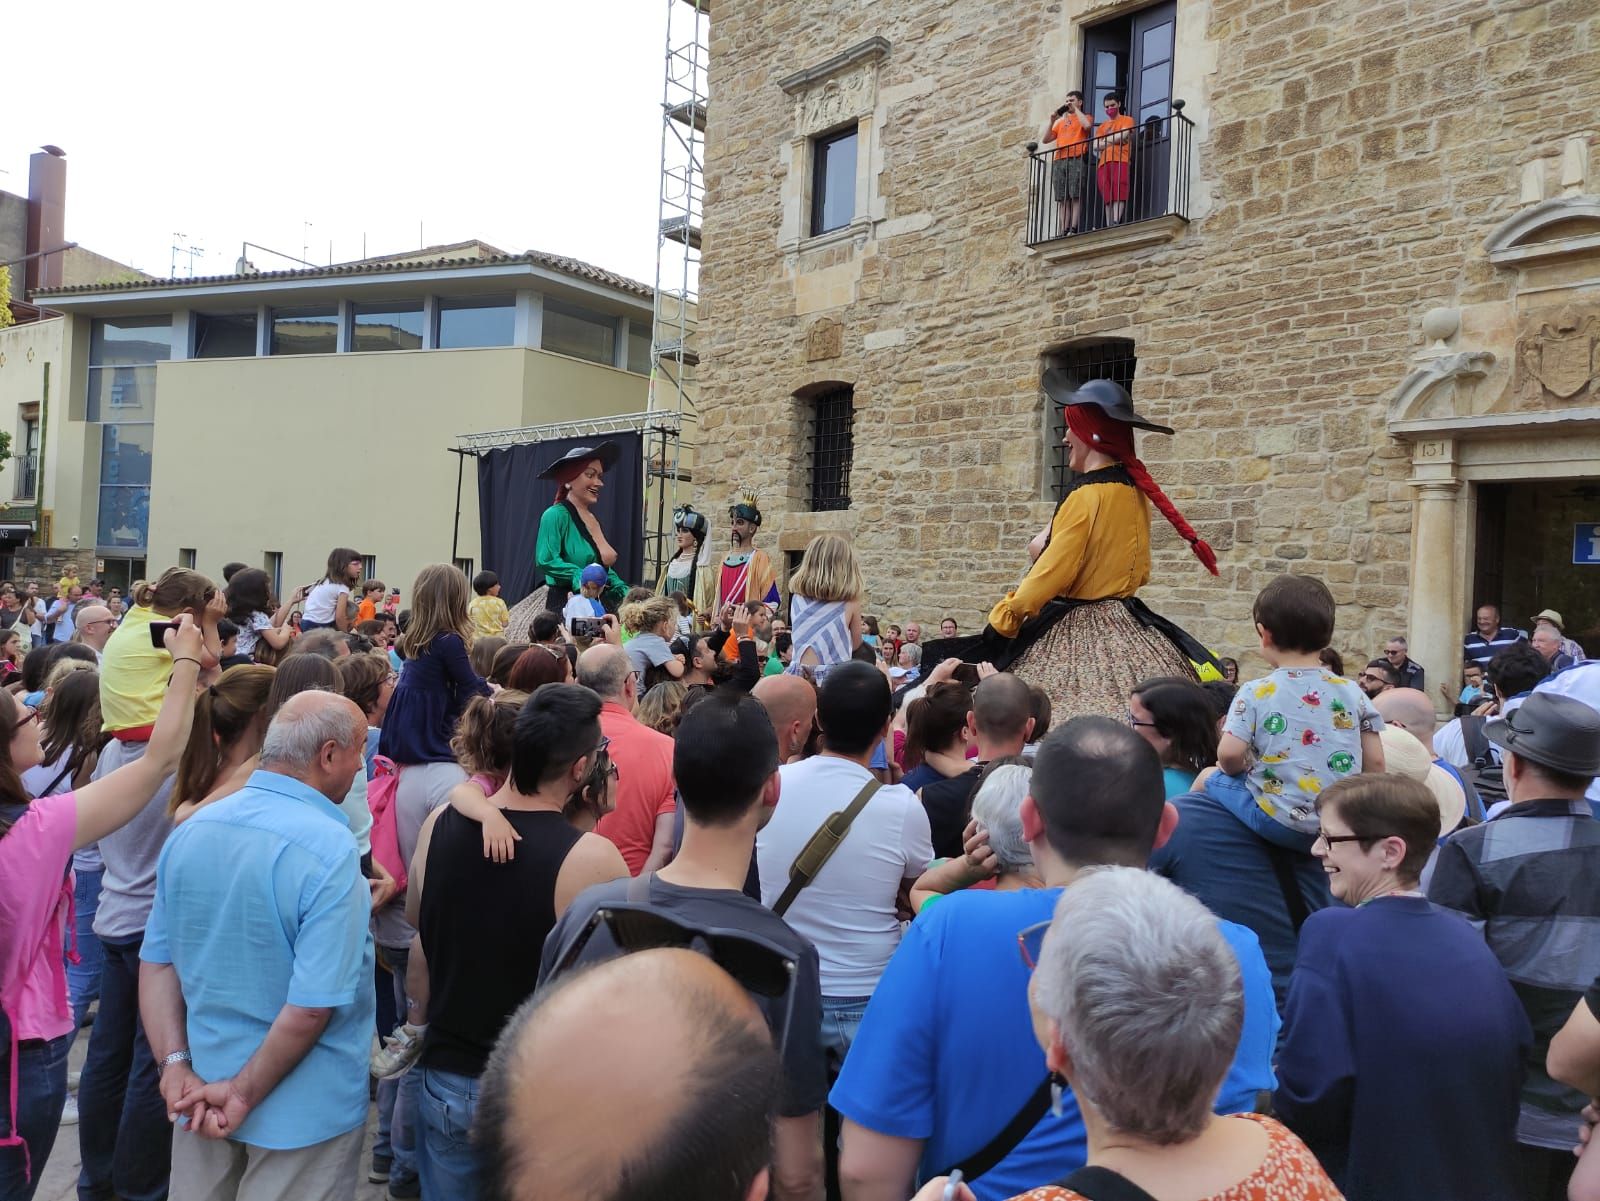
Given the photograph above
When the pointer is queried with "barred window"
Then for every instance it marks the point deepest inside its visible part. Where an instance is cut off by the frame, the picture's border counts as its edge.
(832, 448)
(1109, 358)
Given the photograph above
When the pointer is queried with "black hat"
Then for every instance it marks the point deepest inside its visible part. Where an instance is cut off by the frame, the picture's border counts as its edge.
(1061, 386)
(1554, 731)
(606, 452)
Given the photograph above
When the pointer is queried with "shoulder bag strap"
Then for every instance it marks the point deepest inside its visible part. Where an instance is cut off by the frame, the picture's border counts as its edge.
(1293, 900)
(1474, 741)
(1004, 1143)
(1102, 1184)
(821, 846)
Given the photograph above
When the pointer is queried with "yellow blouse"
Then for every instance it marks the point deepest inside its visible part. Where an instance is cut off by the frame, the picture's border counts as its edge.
(1099, 549)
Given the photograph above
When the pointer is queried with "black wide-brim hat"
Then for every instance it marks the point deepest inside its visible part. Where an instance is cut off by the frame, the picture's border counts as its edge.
(1104, 394)
(606, 452)
(1554, 731)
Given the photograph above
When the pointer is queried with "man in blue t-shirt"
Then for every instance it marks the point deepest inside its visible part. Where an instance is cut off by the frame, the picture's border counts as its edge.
(946, 1056)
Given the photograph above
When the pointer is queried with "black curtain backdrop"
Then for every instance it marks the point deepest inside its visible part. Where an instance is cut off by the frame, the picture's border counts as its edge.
(512, 497)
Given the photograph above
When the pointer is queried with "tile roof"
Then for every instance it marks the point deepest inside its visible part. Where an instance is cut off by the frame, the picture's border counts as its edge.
(536, 258)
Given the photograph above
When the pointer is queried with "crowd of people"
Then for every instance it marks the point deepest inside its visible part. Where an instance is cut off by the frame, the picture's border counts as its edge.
(731, 889)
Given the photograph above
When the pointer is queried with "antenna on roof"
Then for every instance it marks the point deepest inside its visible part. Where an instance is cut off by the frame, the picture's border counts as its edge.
(179, 250)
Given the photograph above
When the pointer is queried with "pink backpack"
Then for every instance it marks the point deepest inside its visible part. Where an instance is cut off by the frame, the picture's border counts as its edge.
(385, 832)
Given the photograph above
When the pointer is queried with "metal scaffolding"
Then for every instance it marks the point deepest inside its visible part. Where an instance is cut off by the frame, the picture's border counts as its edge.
(671, 407)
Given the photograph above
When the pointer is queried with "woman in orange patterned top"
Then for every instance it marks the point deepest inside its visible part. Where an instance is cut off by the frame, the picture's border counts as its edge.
(1138, 1004)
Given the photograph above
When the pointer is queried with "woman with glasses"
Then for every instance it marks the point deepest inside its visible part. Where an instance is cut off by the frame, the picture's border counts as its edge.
(1178, 719)
(1403, 1043)
(37, 840)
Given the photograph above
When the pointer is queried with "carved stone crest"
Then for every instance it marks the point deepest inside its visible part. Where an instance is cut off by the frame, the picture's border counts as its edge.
(1561, 358)
(836, 101)
(824, 339)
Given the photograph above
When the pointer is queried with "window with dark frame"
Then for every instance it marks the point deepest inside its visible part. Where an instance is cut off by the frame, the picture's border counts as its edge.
(1109, 358)
(833, 181)
(832, 448)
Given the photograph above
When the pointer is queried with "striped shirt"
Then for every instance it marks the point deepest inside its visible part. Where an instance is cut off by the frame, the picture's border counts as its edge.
(822, 628)
(1475, 648)
(1530, 881)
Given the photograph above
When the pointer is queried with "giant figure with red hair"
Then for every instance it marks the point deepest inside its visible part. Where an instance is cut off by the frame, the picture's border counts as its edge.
(570, 537)
(1074, 625)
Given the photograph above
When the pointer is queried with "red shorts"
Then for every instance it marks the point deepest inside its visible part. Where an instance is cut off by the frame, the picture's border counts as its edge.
(1113, 181)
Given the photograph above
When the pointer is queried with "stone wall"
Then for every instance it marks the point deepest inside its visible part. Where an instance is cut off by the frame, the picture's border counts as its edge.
(44, 566)
(1351, 157)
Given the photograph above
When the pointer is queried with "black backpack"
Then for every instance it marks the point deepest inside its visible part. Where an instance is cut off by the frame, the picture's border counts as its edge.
(1484, 773)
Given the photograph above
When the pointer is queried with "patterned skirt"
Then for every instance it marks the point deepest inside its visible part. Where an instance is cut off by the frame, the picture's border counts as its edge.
(1089, 660)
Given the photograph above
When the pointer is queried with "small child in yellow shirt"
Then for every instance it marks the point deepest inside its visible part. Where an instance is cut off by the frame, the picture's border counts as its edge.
(488, 612)
(69, 580)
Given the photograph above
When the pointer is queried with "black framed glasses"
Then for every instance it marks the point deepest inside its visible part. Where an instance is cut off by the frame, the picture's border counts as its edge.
(756, 965)
(1136, 723)
(1329, 840)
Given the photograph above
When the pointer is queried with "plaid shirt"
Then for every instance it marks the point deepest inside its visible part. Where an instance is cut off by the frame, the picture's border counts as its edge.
(1530, 880)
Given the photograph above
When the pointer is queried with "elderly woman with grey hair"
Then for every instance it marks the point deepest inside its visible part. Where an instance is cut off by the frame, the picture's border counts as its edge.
(1138, 1003)
(994, 845)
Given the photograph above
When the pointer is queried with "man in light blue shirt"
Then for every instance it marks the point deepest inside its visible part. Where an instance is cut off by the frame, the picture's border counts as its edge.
(946, 1057)
(258, 965)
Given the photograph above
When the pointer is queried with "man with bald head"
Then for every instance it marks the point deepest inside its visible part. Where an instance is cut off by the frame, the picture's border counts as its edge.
(643, 824)
(663, 1040)
(256, 984)
(791, 705)
(1410, 709)
(95, 626)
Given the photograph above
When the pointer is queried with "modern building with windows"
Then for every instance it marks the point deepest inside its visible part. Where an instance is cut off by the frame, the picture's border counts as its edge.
(1355, 262)
(268, 416)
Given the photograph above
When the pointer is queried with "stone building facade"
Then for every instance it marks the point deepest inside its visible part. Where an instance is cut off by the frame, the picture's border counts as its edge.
(1376, 327)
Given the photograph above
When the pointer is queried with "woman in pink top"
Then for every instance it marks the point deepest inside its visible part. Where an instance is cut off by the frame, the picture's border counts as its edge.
(37, 838)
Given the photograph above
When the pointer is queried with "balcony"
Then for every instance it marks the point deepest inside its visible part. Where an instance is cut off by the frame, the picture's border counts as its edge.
(27, 468)
(1126, 189)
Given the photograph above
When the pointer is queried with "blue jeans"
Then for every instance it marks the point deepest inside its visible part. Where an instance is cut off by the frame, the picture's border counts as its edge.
(397, 1099)
(446, 1103)
(41, 1092)
(1235, 795)
(83, 977)
(841, 1018)
(124, 1139)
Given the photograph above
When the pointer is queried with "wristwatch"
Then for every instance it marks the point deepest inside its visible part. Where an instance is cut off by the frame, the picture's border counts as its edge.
(176, 1057)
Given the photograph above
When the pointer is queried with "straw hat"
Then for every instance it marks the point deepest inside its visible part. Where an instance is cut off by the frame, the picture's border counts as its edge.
(1404, 755)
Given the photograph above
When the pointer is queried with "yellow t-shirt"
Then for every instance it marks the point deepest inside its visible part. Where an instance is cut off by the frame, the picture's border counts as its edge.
(133, 674)
(489, 615)
(65, 582)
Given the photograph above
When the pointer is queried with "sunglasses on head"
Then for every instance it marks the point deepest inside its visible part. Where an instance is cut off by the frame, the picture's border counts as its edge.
(755, 964)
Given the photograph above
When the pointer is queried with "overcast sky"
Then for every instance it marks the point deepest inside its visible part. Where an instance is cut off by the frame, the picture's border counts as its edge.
(530, 125)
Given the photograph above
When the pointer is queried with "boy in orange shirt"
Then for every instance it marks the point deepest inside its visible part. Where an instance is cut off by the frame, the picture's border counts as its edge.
(371, 594)
(1114, 136)
(1069, 173)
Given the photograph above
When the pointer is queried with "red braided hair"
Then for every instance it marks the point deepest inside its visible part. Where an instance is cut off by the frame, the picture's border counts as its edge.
(1091, 426)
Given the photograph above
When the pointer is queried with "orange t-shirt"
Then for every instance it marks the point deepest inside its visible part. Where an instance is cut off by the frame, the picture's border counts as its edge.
(366, 611)
(1071, 135)
(1114, 152)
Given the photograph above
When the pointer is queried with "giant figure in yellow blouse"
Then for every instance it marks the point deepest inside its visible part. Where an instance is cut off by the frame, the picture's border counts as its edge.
(1074, 625)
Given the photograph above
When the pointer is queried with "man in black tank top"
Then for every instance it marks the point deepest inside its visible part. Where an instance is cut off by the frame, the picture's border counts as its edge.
(483, 924)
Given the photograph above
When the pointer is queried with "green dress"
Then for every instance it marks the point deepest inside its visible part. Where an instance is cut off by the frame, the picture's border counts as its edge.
(564, 550)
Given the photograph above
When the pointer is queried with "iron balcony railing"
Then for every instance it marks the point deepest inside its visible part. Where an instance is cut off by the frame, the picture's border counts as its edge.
(27, 475)
(1135, 175)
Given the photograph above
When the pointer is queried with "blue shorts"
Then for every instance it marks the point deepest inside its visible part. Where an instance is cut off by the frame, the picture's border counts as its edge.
(1233, 792)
